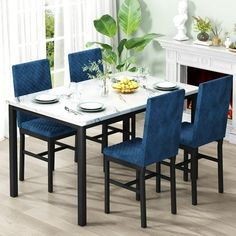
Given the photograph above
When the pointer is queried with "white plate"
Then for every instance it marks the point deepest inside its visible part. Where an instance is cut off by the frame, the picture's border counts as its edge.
(45, 102)
(46, 98)
(91, 106)
(165, 85)
(93, 110)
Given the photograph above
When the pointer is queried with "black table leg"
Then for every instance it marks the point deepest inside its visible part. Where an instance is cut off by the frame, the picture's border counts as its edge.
(13, 152)
(126, 128)
(81, 168)
(133, 126)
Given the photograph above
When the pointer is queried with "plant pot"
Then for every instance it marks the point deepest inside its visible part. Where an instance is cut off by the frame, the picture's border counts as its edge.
(216, 41)
(203, 36)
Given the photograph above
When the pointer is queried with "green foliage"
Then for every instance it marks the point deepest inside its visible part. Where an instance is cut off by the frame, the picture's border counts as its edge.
(93, 70)
(106, 25)
(129, 20)
(130, 16)
(202, 25)
(49, 20)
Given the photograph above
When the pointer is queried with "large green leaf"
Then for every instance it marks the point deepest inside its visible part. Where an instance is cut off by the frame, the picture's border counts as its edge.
(103, 45)
(130, 16)
(109, 56)
(121, 46)
(106, 25)
(139, 43)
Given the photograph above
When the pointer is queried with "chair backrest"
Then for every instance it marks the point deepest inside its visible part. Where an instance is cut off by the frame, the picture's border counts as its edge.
(212, 110)
(162, 126)
(78, 60)
(30, 77)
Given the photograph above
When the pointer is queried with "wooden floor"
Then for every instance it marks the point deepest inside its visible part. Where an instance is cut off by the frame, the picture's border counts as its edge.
(36, 212)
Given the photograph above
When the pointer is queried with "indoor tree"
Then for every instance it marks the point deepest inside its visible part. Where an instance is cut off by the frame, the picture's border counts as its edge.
(123, 55)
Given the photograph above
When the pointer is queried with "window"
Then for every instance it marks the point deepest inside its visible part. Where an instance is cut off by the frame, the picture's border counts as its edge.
(54, 39)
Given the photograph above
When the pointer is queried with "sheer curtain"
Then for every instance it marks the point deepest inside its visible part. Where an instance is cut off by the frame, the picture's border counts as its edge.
(78, 29)
(22, 39)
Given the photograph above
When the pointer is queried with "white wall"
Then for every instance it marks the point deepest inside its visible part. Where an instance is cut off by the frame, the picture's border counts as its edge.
(158, 17)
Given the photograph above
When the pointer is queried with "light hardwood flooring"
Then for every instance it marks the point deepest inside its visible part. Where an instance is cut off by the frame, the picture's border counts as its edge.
(36, 212)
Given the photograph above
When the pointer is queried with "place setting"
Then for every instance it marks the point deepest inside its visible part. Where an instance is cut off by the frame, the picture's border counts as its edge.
(46, 99)
(165, 86)
(91, 106)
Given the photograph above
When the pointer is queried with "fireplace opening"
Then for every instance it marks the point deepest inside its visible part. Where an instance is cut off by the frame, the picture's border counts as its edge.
(196, 76)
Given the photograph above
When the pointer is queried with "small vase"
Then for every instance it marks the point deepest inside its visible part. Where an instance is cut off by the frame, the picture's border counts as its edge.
(105, 87)
(203, 36)
(216, 41)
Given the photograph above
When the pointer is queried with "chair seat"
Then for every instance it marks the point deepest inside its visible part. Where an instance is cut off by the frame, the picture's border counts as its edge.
(47, 128)
(186, 137)
(130, 151)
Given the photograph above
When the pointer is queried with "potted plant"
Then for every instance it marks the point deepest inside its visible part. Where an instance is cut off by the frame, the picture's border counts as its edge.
(203, 26)
(123, 56)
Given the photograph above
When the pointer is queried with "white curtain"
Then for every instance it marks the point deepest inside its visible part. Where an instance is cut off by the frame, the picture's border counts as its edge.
(22, 38)
(78, 17)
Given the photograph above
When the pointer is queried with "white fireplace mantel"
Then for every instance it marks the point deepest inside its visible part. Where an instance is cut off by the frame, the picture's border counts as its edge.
(181, 54)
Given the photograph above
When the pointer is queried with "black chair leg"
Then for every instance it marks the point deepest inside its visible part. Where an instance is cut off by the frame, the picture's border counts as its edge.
(173, 185)
(220, 166)
(197, 165)
(138, 185)
(185, 176)
(51, 155)
(126, 129)
(194, 175)
(158, 178)
(22, 157)
(107, 185)
(143, 198)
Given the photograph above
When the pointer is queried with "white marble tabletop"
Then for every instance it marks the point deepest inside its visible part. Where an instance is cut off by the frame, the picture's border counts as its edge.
(115, 103)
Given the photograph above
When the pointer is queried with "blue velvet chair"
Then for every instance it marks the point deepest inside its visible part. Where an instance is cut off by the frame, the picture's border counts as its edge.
(77, 61)
(160, 141)
(209, 125)
(29, 78)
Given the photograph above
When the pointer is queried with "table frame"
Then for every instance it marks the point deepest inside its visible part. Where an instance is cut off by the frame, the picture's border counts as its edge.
(80, 151)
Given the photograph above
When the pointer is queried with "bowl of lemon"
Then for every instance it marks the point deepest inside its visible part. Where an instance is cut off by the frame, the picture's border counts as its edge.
(125, 85)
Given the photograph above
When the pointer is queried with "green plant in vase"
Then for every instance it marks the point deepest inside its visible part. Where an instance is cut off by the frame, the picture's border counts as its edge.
(216, 31)
(123, 56)
(94, 71)
(203, 26)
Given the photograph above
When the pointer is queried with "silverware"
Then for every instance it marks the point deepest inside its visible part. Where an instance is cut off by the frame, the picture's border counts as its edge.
(149, 89)
(121, 98)
(73, 111)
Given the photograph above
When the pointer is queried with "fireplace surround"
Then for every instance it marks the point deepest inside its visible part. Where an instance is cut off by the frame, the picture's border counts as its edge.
(183, 54)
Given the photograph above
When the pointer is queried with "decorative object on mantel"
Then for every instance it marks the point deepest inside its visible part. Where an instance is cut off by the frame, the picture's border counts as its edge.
(216, 30)
(180, 20)
(203, 26)
(232, 47)
(227, 42)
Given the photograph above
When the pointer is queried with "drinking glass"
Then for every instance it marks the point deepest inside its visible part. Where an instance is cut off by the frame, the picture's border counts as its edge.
(143, 73)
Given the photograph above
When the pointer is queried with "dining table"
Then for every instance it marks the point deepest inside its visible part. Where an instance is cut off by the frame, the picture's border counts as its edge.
(115, 106)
